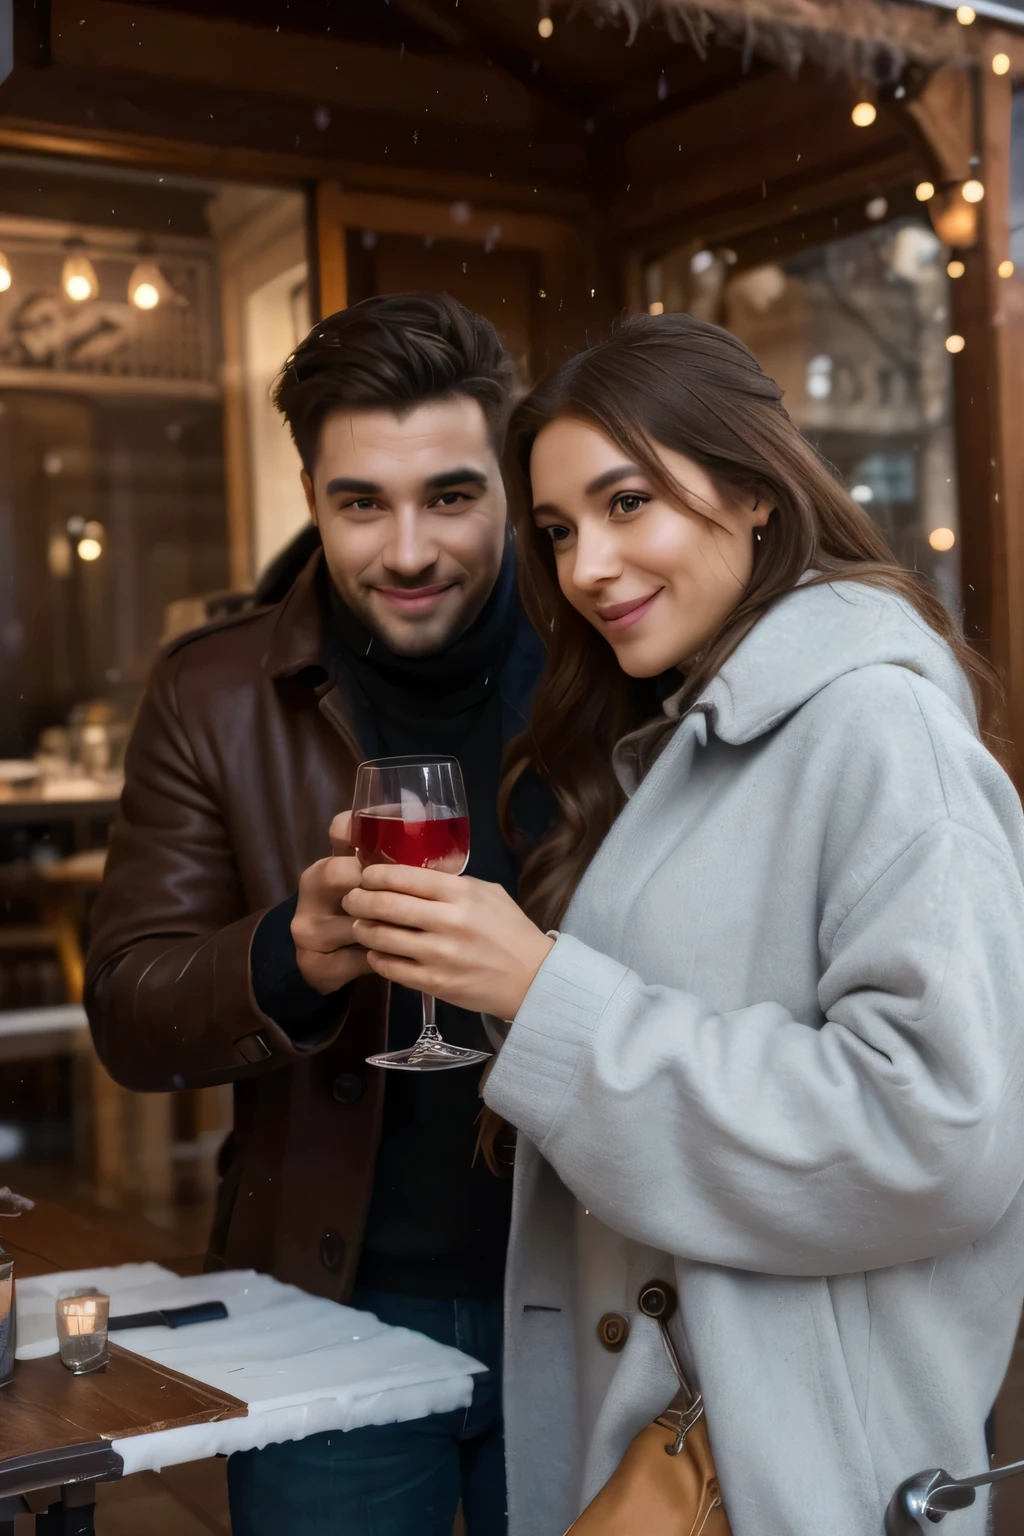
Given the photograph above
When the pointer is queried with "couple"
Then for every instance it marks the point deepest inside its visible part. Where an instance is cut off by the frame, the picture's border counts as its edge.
(758, 1005)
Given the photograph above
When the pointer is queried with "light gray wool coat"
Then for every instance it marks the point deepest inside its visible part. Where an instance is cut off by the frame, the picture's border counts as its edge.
(777, 1057)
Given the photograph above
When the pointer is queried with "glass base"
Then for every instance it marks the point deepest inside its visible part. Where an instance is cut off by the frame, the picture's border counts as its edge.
(429, 1056)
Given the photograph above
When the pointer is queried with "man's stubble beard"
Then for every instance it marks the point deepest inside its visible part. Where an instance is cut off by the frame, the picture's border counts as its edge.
(416, 640)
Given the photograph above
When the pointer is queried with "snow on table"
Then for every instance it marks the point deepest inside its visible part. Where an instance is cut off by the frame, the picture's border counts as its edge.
(302, 1363)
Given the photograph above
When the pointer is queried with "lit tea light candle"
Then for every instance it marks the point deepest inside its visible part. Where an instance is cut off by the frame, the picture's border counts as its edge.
(82, 1318)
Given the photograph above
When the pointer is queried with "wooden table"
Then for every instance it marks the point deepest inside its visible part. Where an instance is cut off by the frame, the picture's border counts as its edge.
(53, 1237)
(94, 803)
(55, 1429)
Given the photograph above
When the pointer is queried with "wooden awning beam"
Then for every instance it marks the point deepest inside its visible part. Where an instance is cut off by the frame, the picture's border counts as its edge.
(475, 42)
(223, 125)
(938, 118)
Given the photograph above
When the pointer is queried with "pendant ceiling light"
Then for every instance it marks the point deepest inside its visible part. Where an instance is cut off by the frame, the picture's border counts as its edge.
(78, 278)
(147, 286)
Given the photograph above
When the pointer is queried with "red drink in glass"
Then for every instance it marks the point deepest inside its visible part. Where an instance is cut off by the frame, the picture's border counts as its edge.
(436, 842)
(413, 811)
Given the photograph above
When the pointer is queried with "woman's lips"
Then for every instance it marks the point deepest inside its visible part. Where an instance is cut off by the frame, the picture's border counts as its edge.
(624, 615)
(414, 599)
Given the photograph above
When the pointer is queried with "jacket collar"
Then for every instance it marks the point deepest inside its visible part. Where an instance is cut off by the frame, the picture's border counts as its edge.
(297, 639)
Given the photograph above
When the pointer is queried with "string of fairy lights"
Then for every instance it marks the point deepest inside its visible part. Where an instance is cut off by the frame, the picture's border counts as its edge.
(953, 215)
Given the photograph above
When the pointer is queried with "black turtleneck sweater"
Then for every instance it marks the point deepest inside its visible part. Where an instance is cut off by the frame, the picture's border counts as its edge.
(438, 1219)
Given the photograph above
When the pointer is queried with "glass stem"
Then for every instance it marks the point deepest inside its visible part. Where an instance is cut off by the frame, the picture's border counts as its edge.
(429, 1034)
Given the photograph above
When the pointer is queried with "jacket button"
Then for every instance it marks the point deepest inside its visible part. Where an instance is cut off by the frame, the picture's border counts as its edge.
(332, 1249)
(348, 1088)
(613, 1331)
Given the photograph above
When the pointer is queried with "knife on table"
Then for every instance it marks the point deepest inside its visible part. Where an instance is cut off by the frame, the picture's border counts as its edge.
(171, 1317)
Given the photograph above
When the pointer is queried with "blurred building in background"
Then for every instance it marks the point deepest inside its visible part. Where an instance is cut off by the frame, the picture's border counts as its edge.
(186, 185)
(855, 331)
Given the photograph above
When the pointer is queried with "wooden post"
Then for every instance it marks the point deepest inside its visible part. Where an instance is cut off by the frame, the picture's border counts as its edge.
(988, 312)
(237, 472)
(332, 279)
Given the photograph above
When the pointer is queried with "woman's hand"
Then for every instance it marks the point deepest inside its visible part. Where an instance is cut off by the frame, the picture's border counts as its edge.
(464, 941)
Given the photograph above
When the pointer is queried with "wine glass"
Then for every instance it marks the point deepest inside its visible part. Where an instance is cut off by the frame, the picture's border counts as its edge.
(413, 810)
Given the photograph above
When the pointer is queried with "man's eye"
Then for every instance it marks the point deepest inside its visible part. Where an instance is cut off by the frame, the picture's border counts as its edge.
(450, 498)
(362, 504)
(629, 501)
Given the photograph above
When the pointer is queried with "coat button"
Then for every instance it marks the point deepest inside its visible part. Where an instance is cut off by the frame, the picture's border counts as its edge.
(348, 1088)
(332, 1249)
(613, 1331)
(659, 1300)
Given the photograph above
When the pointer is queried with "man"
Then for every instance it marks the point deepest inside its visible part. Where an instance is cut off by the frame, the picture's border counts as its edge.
(221, 952)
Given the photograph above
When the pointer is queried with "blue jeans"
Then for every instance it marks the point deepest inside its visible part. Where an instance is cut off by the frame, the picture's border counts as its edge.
(392, 1479)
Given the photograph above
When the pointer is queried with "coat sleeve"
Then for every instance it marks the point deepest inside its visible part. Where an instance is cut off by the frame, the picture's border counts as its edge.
(168, 980)
(892, 1132)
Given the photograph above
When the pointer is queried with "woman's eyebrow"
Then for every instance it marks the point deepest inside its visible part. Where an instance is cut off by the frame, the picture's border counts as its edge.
(610, 477)
(603, 481)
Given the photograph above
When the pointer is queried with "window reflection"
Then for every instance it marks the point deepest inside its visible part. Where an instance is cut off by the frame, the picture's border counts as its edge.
(143, 470)
(856, 332)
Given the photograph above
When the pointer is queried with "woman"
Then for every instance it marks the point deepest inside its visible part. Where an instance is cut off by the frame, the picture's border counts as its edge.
(776, 1053)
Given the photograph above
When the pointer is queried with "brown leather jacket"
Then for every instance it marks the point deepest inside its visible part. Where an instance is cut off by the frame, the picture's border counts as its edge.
(243, 752)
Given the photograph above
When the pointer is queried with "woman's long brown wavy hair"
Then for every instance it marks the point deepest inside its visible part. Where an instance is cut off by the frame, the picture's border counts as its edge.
(695, 389)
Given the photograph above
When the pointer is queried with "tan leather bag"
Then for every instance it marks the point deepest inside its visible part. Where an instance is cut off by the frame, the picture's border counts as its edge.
(666, 1484)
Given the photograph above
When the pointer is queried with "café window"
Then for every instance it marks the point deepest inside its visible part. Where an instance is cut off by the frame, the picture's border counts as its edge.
(857, 332)
(143, 470)
(145, 479)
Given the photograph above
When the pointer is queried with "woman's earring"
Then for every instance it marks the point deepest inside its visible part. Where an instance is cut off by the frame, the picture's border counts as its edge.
(757, 536)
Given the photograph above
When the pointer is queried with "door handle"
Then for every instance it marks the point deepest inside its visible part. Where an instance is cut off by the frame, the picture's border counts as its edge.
(928, 1497)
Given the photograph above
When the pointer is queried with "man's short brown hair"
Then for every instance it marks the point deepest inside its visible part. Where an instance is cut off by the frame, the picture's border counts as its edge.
(393, 353)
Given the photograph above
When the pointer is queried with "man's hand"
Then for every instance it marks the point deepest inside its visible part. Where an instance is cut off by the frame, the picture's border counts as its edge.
(325, 947)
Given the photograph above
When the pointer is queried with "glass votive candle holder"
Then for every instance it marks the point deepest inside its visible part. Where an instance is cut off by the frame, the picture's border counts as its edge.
(82, 1318)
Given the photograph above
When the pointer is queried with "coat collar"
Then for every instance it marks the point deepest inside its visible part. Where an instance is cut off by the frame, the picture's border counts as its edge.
(817, 633)
(297, 638)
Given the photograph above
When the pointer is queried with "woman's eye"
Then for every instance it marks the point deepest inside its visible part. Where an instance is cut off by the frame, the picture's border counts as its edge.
(629, 501)
(557, 534)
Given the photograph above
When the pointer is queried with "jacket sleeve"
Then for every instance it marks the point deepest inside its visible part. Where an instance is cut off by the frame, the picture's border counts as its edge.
(892, 1132)
(168, 980)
